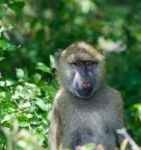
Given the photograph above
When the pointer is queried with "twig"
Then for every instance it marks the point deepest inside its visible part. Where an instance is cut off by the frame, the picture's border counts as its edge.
(124, 133)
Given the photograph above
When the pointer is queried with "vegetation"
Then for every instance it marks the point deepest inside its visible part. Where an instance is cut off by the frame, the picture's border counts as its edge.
(30, 33)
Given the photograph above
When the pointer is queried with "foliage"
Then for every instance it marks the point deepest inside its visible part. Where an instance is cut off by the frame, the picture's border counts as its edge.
(25, 105)
(31, 31)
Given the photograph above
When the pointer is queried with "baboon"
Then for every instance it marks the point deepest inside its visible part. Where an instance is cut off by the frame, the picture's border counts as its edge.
(85, 110)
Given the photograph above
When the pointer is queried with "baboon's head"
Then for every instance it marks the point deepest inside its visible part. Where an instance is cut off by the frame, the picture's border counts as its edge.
(80, 69)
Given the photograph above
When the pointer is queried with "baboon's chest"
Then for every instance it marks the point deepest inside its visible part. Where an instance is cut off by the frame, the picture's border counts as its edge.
(89, 125)
(95, 121)
(90, 129)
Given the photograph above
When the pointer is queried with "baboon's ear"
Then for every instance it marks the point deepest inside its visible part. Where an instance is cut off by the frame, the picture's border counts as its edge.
(101, 51)
(57, 56)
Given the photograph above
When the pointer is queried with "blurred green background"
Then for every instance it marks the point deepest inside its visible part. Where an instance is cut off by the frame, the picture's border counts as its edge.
(32, 30)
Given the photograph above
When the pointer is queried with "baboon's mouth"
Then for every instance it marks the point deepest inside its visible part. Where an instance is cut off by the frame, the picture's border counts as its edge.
(84, 92)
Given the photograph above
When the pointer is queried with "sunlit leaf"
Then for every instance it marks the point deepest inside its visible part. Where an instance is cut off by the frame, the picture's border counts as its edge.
(20, 73)
(2, 58)
(41, 104)
(7, 118)
(43, 67)
(7, 46)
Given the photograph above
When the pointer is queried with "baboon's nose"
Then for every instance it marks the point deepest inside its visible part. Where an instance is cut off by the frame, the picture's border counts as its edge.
(86, 84)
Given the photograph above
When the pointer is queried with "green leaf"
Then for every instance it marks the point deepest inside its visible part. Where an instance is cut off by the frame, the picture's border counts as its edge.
(20, 73)
(37, 77)
(9, 82)
(41, 105)
(7, 118)
(43, 67)
(7, 46)
(2, 58)
(2, 83)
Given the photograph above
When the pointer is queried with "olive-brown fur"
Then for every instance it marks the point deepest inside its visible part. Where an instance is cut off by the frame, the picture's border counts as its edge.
(76, 121)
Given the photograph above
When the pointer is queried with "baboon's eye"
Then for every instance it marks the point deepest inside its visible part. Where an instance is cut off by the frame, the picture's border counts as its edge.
(77, 64)
(91, 63)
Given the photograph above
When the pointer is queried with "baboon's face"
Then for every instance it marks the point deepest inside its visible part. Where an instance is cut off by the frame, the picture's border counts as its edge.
(80, 69)
(84, 77)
